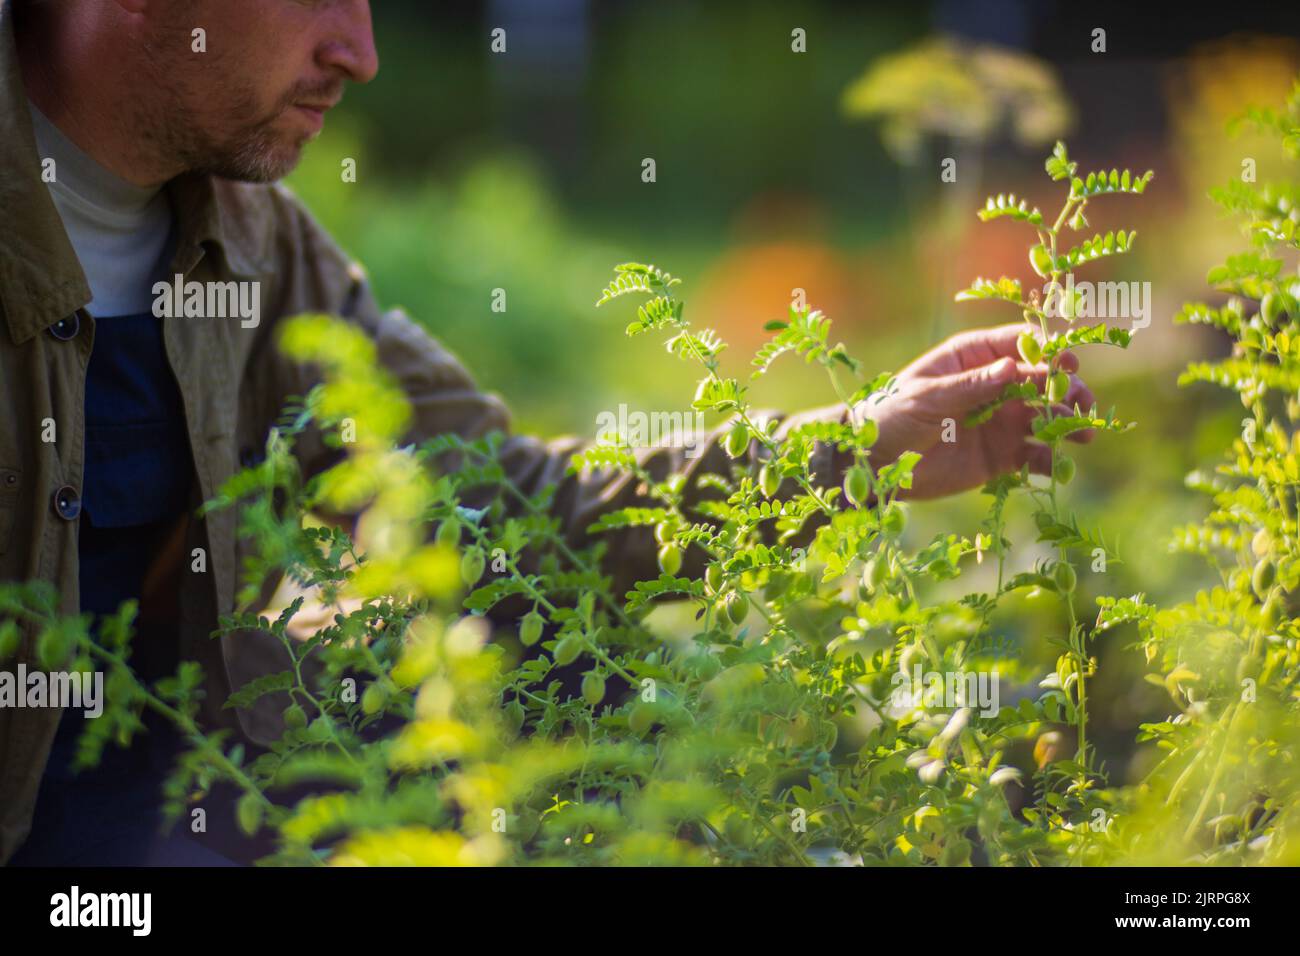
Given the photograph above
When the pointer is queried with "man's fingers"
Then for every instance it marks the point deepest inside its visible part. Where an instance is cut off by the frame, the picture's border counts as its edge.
(998, 341)
(1032, 373)
(1038, 456)
(984, 346)
(966, 390)
(1080, 394)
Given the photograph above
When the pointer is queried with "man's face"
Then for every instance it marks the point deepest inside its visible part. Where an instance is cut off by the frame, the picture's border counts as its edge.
(245, 107)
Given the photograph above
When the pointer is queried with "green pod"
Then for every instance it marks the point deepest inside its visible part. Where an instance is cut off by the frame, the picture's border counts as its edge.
(514, 716)
(713, 577)
(894, 521)
(1041, 260)
(1058, 386)
(857, 486)
(593, 688)
(1263, 577)
(295, 717)
(1270, 309)
(530, 629)
(472, 564)
(737, 441)
(249, 811)
(568, 649)
(1031, 350)
(737, 608)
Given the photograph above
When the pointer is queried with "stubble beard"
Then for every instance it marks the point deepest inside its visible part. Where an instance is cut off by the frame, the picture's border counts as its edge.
(255, 152)
(188, 135)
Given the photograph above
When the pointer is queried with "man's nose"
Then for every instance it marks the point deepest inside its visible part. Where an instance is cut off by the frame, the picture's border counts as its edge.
(350, 47)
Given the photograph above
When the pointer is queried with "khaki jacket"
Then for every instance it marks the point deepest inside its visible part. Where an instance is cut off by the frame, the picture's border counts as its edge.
(234, 383)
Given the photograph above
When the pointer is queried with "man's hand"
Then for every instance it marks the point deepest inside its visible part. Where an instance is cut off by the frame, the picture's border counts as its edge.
(951, 381)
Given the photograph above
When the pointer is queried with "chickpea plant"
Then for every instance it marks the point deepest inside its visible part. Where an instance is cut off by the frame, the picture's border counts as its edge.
(1226, 789)
(540, 718)
(1054, 261)
(462, 685)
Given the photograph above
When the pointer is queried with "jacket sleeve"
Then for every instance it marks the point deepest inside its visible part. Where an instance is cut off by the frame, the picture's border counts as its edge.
(444, 398)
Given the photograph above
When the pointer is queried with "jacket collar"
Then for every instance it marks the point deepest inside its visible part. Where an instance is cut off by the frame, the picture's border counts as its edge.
(41, 280)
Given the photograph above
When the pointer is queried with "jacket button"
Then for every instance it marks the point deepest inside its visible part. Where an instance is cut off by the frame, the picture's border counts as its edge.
(66, 328)
(67, 503)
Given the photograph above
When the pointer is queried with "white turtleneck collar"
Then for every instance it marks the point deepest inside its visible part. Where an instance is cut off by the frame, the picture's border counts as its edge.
(120, 231)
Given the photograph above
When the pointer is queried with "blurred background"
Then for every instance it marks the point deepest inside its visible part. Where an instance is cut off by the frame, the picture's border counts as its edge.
(779, 168)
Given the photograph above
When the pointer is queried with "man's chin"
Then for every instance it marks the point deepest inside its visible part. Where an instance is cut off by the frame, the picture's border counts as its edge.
(260, 163)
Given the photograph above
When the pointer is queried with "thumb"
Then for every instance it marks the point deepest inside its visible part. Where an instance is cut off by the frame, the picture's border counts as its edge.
(975, 386)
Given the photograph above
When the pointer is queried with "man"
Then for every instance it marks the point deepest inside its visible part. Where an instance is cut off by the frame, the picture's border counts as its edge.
(133, 149)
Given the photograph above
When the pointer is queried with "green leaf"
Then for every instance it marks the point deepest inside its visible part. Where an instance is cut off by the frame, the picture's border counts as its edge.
(1100, 183)
(10, 637)
(1245, 274)
(804, 334)
(258, 688)
(719, 395)
(897, 474)
(249, 810)
(1004, 288)
(703, 346)
(1007, 206)
(1228, 318)
(628, 518)
(1058, 165)
(840, 434)
(1064, 425)
(1117, 611)
(483, 599)
(1243, 376)
(646, 591)
(1013, 391)
(601, 457)
(1112, 243)
(1086, 335)
(1070, 534)
(635, 277)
